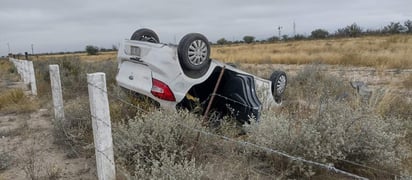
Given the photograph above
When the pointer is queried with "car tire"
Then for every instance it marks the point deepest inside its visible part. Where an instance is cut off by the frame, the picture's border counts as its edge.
(279, 82)
(145, 35)
(194, 52)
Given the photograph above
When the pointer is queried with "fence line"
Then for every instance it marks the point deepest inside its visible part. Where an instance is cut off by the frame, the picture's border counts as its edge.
(328, 167)
(109, 156)
(102, 135)
(26, 71)
(57, 95)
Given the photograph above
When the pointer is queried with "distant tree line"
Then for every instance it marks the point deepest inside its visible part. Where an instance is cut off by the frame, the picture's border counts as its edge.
(353, 30)
(88, 49)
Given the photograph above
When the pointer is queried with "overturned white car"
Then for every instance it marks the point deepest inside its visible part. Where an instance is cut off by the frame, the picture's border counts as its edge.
(183, 76)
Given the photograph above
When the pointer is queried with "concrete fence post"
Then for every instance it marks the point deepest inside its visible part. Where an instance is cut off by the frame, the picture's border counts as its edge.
(32, 76)
(20, 69)
(26, 77)
(99, 108)
(56, 92)
(26, 71)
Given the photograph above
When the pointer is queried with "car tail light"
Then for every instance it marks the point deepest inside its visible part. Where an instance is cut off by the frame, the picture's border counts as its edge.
(162, 91)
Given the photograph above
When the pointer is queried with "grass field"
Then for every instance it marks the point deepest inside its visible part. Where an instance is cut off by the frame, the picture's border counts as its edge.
(380, 52)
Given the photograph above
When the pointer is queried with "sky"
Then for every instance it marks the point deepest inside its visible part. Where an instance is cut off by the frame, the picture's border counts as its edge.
(71, 25)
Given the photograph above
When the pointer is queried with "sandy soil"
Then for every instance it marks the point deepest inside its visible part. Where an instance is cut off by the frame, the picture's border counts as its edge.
(27, 141)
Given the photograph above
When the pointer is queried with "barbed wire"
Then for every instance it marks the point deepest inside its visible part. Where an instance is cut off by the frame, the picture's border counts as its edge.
(375, 169)
(329, 167)
(123, 142)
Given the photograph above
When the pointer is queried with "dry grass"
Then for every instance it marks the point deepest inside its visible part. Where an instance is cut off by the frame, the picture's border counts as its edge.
(7, 71)
(381, 52)
(407, 82)
(102, 56)
(15, 101)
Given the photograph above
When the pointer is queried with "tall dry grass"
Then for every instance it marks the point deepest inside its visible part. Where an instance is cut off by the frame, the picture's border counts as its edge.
(102, 56)
(381, 52)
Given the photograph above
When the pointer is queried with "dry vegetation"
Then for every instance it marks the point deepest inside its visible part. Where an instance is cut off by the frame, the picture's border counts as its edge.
(322, 119)
(81, 56)
(13, 100)
(380, 52)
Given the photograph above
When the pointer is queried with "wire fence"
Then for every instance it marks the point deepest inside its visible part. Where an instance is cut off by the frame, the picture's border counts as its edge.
(328, 167)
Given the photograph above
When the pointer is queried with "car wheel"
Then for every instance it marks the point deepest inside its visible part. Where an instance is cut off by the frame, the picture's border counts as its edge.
(279, 81)
(145, 35)
(194, 52)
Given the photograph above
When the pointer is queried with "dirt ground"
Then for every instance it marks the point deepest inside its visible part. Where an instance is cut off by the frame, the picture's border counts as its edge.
(29, 150)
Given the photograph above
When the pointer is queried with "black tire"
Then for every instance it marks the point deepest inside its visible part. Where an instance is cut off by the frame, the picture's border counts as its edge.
(194, 52)
(145, 35)
(279, 82)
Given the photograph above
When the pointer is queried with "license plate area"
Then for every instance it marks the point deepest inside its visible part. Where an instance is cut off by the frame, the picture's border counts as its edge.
(136, 77)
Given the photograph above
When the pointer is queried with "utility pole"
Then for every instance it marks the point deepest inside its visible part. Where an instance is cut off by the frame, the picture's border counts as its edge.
(8, 45)
(294, 28)
(279, 28)
(32, 49)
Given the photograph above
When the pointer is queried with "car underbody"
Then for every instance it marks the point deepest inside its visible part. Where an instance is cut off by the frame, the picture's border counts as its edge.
(235, 95)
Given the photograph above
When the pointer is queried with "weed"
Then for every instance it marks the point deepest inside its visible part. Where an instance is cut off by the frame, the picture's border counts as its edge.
(53, 172)
(5, 160)
(31, 164)
(15, 101)
(76, 131)
(155, 145)
(394, 105)
(20, 130)
(407, 82)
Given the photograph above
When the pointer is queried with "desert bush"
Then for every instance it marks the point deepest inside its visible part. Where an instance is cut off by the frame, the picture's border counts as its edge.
(76, 131)
(15, 101)
(5, 160)
(155, 145)
(325, 122)
(407, 82)
(73, 74)
(8, 72)
(393, 104)
(311, 88)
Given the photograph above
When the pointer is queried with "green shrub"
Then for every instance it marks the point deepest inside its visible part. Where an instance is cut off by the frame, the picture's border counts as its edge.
(92, 50)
